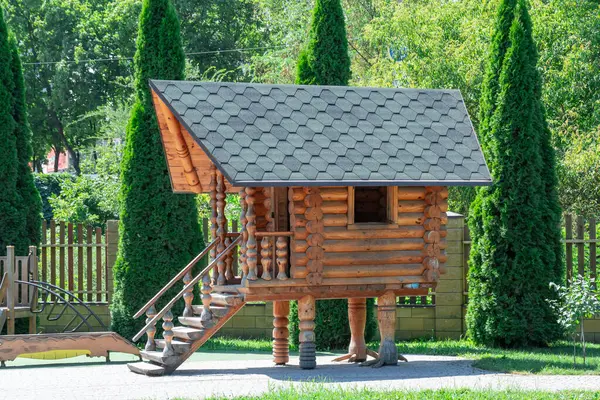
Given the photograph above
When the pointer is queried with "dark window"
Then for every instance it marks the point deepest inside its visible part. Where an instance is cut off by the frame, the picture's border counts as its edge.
(370, 204)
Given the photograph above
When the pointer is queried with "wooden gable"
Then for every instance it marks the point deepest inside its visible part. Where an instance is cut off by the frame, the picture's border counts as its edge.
(188, 154)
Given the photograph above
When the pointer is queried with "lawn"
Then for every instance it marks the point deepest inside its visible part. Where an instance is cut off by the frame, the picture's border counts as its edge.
(443, 394)
(556, 359)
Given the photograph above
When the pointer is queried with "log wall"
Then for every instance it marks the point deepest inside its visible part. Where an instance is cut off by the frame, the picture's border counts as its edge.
(347, 250)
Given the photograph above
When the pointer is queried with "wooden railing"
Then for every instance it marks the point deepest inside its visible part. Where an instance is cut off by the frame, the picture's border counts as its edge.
(274, 262)
(13, 294)
(206, 290)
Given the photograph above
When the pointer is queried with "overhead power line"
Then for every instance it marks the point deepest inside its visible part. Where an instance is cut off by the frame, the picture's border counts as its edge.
(197, 53)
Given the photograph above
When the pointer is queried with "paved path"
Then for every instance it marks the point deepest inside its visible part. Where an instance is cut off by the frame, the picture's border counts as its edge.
(200, 378)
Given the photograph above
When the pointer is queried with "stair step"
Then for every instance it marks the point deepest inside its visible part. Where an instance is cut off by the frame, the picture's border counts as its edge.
(196, 322)
(157, 357)
(183, 332)
(218, 311)
(178, 345)
(146, 368)
(225, 299)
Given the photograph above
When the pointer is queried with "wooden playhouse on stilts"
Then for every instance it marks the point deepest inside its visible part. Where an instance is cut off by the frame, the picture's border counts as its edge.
(343, 193)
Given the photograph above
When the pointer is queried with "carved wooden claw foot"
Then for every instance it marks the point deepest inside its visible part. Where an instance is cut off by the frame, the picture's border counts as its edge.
(356, 358)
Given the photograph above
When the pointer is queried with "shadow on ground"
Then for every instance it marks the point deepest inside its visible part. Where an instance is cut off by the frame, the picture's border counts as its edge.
(345, 372)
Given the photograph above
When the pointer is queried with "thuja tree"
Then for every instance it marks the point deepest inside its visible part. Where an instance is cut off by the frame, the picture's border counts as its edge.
(325, 61)
(514, 223)
(159, 230)
(12, 224)
(30, 200)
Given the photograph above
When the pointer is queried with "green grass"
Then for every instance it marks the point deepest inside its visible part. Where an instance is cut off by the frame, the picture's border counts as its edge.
(322, 393)
(556, 359)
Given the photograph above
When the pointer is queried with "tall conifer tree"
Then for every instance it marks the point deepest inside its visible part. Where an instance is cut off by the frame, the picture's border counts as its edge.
(31, 202)
(159, 230)
(12, 223)
(514, 223)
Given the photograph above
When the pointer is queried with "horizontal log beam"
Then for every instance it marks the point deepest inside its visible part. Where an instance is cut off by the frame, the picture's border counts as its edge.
(363, 245)
(327, 193)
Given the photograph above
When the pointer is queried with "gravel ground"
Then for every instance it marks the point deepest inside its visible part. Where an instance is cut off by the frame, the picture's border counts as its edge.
(198, 379)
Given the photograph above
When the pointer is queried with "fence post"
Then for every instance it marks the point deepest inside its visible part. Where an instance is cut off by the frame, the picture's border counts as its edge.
(112, 244)
(33, 292)
(10, 293)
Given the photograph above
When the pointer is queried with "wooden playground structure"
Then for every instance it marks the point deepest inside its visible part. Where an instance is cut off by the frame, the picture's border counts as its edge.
(343, 194)
(23, 296)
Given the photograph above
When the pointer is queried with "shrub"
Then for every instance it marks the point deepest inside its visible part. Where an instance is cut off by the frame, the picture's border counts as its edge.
(50, 185)
(88, 200)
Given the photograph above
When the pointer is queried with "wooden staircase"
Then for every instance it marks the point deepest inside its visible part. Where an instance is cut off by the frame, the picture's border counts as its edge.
(198, 322)
(188, 337)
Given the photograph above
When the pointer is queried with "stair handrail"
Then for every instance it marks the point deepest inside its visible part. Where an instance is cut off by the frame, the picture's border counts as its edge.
(191, 284)
(176, 278)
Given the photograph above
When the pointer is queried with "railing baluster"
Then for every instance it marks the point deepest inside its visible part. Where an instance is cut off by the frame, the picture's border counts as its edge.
(188, 297)
(244, 235)
(168, 334)
(229, 262)
(251, 252)
(151, 331)
(221, 228)
(206, 299)
(266, 258)
(213, 215)
(282, 257)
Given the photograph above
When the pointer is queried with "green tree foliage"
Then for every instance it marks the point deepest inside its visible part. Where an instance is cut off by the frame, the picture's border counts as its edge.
(444, 44)
(159, 229)
(57, 36)
(325, 61)
(31, 202)
(514, 223)
(12, 223)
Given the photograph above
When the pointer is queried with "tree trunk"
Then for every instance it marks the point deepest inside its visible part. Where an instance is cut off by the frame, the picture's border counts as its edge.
(56, 158)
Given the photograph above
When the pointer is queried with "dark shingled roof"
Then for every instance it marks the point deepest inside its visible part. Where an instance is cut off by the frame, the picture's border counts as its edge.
(329, 135)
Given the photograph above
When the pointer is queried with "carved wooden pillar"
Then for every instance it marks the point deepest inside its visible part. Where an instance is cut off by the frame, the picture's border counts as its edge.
(151, 331)
(266, 253)
(251, 252)
(213, 215)
(281, 333)
(168, 334)
(244, 234)
(221, 228)
(386, 317)
(188, 296)
(306, 314)
(357, 317)
(282, 257)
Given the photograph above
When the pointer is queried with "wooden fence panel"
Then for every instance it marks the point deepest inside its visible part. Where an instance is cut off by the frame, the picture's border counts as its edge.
(569, 245)
(80, 287)
(99, 277)
(580, 246)
(593, 256)
(44, 266)
(89, 265)
(81, 262)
